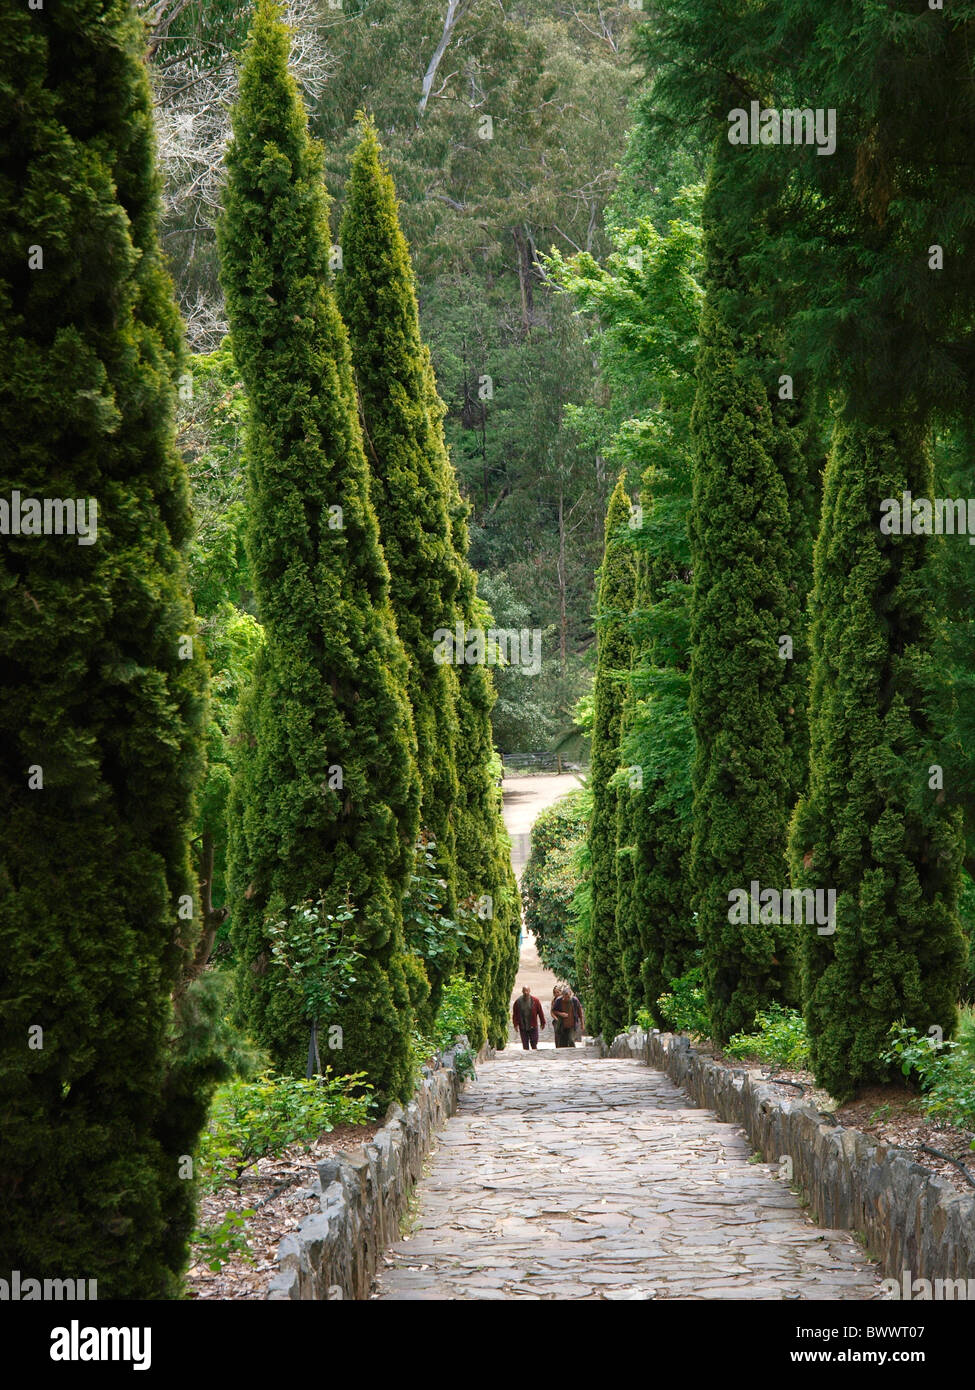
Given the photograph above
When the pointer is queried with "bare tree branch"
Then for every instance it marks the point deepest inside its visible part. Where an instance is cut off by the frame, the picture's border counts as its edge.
(451, 202)
(455, 9)
(195, 87)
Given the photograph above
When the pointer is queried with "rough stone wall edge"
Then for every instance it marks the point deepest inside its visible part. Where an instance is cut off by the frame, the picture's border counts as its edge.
(909, 1218)
(334, 1253)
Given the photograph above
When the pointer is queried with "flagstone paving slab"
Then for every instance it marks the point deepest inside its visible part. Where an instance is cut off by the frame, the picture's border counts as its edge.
(564, 1175)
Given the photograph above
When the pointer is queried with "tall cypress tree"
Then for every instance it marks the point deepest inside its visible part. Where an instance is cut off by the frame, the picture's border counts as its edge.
(878, 240)
(629, 785)
(102, 689)
(882, 239)
(486, 887)
(325, 806)
(607, 989)
(655, 921)
(377, 299)
(750, 543)
(871, 828)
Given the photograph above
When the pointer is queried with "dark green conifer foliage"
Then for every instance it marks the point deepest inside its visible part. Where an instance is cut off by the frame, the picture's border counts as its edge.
(329, 688)
(655, 922)
(750, 540)
(870, 826)
(100, 695)
(377, 299)
(629, 780)
(486, 888)
(607, 1000)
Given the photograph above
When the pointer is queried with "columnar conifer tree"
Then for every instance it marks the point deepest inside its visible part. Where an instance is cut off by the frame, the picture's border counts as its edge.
(377, 300)
(486, 886)
(102, 691)
(655, 922)
(750, 540)
(629, 786)
(871, 827)
(882, 242)
(325, 806)
(607, 1000)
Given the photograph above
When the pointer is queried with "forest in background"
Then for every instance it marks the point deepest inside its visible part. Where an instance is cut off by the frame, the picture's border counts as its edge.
(504, 128)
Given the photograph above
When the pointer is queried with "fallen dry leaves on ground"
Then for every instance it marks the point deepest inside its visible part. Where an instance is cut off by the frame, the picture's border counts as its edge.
(282, 1192)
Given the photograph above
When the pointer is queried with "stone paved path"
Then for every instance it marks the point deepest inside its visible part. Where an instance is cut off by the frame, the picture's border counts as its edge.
(565, 1176)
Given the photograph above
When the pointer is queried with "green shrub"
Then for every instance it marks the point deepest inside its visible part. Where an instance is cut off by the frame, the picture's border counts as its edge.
(780, 1037)
(945, 1072)
(457, 1012)
(456, 1017)
(219, 1241)
(251, 1120)
(429, 931)
(551, 878)
(684, 1007)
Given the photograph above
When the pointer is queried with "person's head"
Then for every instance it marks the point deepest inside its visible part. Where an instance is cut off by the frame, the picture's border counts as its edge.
(526, 991)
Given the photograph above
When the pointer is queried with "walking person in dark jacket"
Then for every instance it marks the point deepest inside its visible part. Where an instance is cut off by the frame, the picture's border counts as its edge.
(527, 1017)
(566, 1017)
(562, 1017)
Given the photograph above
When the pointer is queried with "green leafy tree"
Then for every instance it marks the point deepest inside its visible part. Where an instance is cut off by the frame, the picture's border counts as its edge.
(656, 926)
(889, 335)
(846, 262)
(318, 952)
(647, 299)
(377, 300)
(325, 800)
(103, 687)
(606, 999)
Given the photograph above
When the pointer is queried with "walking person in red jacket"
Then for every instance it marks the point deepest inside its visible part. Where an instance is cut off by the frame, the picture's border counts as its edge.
(527, 1017)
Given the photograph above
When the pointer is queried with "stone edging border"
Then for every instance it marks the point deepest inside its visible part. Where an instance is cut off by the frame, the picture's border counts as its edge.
(334, 1254)
(909, 1218)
